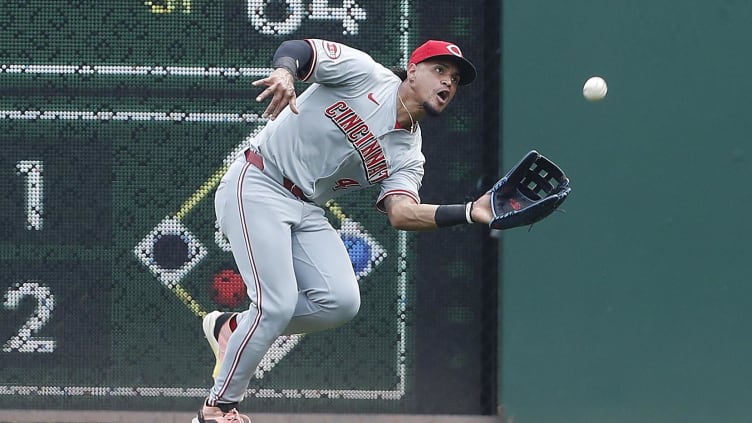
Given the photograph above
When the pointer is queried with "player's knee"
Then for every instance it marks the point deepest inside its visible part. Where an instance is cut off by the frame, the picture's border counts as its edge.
(341, 306)
(349, 306)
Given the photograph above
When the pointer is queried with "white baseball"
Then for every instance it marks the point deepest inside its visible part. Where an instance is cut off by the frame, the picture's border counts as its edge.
(595, 88)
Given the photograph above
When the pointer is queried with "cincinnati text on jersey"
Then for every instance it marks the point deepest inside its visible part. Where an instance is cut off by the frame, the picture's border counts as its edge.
(357, 132)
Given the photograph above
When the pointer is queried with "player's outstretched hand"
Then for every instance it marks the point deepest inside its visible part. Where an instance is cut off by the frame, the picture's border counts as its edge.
(482, 212)
(281, 86)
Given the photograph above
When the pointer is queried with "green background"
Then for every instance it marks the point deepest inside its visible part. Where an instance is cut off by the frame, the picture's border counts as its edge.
(634, 306)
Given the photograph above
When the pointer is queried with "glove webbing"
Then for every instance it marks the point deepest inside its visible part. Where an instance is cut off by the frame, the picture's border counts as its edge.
(537, 183)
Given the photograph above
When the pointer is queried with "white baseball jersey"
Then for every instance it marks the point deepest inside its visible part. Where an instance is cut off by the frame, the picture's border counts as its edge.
(344, 138)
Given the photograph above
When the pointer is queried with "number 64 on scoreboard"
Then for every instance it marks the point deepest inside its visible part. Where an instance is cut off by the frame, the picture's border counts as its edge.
(286, 21)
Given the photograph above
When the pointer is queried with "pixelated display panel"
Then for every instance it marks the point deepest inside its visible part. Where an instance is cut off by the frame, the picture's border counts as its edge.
(117, 120)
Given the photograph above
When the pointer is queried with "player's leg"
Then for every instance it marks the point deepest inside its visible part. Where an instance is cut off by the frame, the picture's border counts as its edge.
(256, 220)
(329, 295)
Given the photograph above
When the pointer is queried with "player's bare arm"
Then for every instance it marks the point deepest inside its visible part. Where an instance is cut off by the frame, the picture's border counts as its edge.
(405, 214)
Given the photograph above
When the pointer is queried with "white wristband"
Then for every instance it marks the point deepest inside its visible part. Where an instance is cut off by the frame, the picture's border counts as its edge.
(468, 211)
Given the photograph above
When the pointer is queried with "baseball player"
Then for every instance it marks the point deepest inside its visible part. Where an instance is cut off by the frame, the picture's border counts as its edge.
(355, 126)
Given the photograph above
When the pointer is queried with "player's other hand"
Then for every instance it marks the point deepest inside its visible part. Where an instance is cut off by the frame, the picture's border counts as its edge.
(281, 86)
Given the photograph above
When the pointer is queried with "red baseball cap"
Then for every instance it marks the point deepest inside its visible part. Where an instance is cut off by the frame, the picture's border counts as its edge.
(436, 48)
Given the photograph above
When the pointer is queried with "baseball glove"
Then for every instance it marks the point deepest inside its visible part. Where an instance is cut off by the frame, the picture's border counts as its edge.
(529, 192)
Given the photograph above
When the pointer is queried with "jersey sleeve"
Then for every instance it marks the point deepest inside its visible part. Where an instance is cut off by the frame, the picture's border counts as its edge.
(338, 64)
(406, 181)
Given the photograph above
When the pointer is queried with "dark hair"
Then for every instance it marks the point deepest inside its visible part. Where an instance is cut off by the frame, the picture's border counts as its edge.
(401, 72)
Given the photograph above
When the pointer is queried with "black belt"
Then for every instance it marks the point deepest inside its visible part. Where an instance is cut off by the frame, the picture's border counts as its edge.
(257, 160)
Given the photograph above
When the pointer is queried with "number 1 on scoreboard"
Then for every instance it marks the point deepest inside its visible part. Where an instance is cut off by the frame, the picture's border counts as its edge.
(34, 206)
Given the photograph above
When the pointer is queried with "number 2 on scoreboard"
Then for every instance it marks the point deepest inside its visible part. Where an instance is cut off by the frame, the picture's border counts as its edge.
(24, 341)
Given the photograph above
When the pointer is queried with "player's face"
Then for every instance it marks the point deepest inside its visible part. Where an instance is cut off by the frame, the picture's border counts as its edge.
(436, 84)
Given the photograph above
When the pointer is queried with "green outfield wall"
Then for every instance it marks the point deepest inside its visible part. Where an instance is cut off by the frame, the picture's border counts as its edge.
(634, 305)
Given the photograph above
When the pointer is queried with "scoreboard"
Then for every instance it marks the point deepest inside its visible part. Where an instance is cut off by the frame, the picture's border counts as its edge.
(117, 120)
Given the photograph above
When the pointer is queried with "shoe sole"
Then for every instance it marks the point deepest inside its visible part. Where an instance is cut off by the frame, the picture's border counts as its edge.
(243, 418)
(210, 320)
